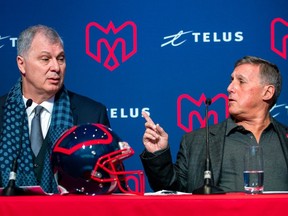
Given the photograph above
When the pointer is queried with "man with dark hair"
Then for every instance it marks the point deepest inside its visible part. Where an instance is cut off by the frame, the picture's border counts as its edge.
(254, 89)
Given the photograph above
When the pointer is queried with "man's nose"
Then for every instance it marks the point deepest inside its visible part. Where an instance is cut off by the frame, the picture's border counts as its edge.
(55, 65)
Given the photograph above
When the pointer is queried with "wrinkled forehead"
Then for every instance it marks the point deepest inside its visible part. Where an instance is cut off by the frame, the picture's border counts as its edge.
(43, 39)
(246, 70)
(43, 44)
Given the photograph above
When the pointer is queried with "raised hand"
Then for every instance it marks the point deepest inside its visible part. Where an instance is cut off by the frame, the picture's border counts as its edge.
(154, 138)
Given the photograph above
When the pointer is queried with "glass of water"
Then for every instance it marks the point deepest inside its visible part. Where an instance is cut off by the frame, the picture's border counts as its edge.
(253, 170)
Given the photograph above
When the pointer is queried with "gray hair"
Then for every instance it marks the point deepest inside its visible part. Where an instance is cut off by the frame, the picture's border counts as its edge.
(26, 37)
(269, 73)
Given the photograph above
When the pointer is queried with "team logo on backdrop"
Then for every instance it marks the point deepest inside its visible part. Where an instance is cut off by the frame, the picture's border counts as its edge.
(279, 37)
(191, 116)
(112, 45)
(190, 113)
(182, 37)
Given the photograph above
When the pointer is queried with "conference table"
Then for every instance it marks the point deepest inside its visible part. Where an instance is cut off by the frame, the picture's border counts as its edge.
(148, 204)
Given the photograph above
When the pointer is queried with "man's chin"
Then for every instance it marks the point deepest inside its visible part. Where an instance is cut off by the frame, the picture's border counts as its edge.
(53, 89)
(232, 111)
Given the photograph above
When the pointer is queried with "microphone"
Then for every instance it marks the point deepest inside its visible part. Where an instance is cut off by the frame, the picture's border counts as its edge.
(208, 187)
(11, 189)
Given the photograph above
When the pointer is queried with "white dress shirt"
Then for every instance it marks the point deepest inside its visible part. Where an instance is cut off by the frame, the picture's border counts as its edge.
(45, 114)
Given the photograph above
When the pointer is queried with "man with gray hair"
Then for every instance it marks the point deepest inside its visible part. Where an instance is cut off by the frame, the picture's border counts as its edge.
(42, 64)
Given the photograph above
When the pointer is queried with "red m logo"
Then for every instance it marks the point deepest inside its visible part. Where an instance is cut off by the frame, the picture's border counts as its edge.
(192, 114)
(96, 41)
(278, 35)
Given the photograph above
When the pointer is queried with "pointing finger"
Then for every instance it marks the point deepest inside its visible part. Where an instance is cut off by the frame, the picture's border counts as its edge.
(147, 118)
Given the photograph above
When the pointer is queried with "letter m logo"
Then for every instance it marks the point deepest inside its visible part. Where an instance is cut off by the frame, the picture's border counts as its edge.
(113, 45)
(189, 109)
(279, 36)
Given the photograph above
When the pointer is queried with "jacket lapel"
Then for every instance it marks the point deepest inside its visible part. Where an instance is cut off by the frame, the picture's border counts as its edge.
(217, 139)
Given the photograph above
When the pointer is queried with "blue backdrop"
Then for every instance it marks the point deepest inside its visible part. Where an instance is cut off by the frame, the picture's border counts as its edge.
(162, 56)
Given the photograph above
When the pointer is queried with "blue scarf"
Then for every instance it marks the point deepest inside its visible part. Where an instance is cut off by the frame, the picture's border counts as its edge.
(10, 139)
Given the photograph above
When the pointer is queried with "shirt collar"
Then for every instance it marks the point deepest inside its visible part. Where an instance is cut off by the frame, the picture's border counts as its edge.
(231, 125)
(48, 105)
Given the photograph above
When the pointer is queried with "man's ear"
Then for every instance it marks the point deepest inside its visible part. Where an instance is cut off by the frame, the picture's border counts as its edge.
(269, 91)
(21, 64)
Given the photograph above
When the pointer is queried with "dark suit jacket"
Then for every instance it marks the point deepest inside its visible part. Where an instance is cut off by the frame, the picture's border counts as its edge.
(188, 172)
(84, 110)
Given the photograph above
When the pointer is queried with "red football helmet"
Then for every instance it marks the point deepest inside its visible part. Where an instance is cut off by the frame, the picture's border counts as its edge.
(88, 159)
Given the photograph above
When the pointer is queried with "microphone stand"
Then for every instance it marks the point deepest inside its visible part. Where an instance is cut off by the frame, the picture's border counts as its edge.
(208, 187)
(11, 189)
